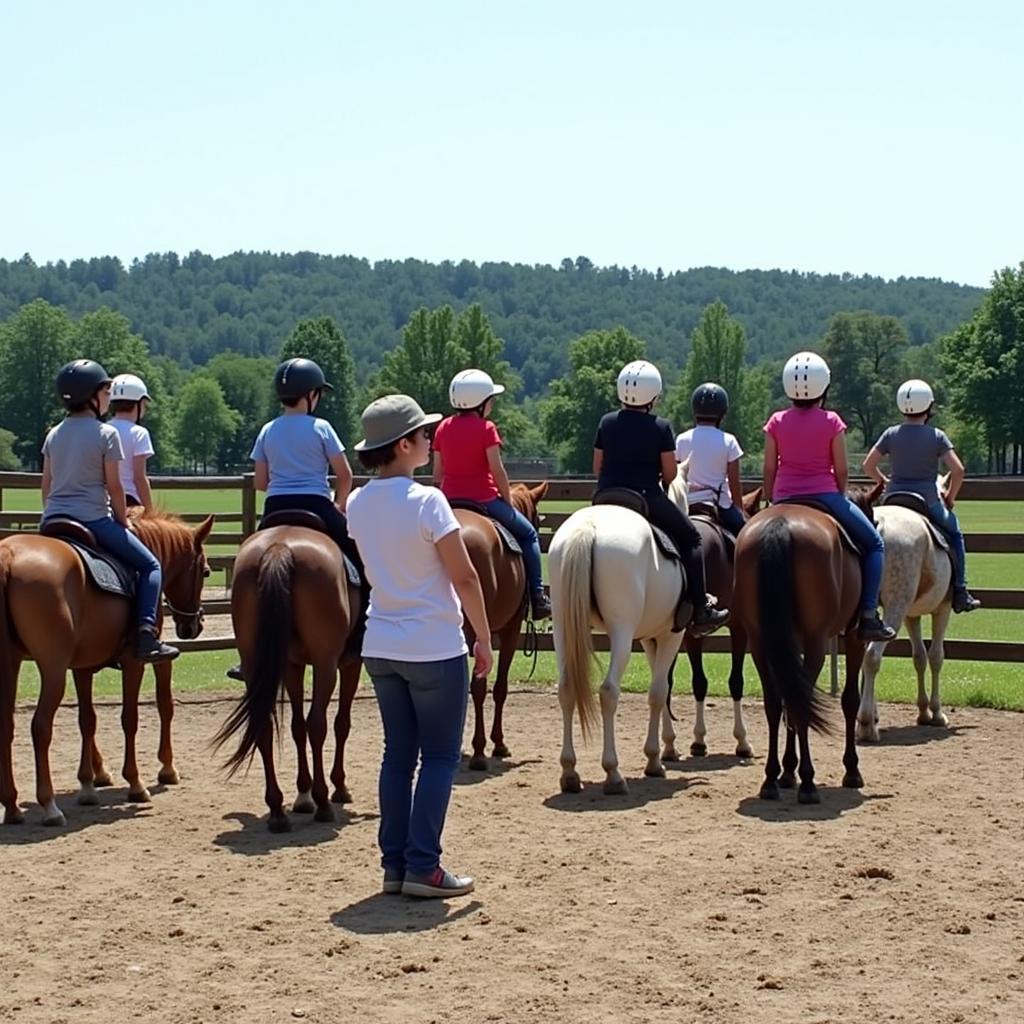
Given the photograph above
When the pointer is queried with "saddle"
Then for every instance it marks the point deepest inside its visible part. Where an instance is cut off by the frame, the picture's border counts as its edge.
(625, 497)
(706, 512)
(106, 572)
(844, 537)
(311, 521)
(914, 502)
(507, 537)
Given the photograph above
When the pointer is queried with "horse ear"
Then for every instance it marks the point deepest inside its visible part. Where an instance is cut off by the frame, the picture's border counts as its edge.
(202, 531)
(875, 493)
(538, 492)
(752, 501)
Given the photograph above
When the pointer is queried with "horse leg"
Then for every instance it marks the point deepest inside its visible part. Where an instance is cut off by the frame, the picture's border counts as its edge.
(507, 642)
(814, 659)
(570, 778)
(867, 712)
(808, 791)
(773, 715)
(668, 729)
(325, 676)
(294, 676)
(13, 814)
(278, 820)
(789, 759)
(738, 644)
(659, 655)
(919, 654)
(851, 698)
(53, 680)
(131, 682)
(621, 648)
(342, 728)
(168, 775)
(83, 679)
(478, 691)
(936, 656)
(695, 654)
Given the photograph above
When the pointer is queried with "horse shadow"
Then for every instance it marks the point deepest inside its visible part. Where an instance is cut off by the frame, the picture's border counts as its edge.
(382, 914)
(496, 768)
(709, 763)
(254, 839)
(642, 791)
(835, 802)
(113, 807)
(914, 735)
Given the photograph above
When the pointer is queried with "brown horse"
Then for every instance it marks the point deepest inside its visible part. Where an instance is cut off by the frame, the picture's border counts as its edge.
(503, 580)
(292, 605)
(797, 585)
(50, 613)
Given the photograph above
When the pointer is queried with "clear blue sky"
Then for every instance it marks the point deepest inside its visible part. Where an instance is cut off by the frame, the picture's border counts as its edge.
(878, 137)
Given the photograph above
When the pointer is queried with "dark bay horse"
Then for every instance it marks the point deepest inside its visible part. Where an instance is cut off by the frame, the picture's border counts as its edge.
(797, 585)
(292, 605)
(503, 580)
(51, 613)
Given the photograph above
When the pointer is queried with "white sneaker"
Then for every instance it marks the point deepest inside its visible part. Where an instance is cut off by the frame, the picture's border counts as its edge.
(440, 884)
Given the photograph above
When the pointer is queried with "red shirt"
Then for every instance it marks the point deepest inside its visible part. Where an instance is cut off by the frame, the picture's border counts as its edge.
(463, 442)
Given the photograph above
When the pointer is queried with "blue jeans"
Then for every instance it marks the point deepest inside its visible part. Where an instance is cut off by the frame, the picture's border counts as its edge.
(123, 544)
(866, 537)
(731, 518)
(423, 708)
(524, 532)
(945, 519)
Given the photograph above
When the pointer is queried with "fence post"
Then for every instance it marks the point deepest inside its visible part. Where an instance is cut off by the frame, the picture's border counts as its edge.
(248, 505)
(833, 657)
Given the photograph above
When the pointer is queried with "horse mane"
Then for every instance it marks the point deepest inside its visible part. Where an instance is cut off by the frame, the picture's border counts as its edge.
(163, 532)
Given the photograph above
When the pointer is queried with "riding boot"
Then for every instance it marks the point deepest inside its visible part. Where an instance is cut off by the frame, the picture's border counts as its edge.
(964, 601)
(706, 617)
(149, 647)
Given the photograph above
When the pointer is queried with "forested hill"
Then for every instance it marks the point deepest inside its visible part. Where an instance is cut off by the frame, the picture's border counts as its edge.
(193, 307)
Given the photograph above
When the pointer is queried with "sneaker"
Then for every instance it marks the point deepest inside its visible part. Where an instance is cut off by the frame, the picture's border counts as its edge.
(235, 672)
(871, 628)
(439, 884)
(964, 601)
(393, 879)
(540, 606)
(149, 647)
(707, 619)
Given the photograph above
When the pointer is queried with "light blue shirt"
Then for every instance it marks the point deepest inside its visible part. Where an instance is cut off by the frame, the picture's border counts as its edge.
(297, 450)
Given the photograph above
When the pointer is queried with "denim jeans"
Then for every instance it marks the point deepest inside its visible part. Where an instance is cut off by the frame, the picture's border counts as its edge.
(945, 519)
(423, 709)
(524, 532)
(731, 518)
(866, 537)
(123, 544)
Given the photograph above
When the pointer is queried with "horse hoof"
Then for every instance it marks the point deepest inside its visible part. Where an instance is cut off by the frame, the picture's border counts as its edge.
(571, 783)
(867, 735)
(809, 795)
(852, 780)
(279, 824)
(303, 804)
(770, 791)
(924, 718)
(168, 777)
(670, 754)
(655, 772)
(744, 750)
(787, 780)
(55, 820)
(616, 787)
(341, 796)
(102, 780)
(140, 797)
(478, 763)
(14, 816)
(500, 750)
(87, 797)
(325, 813)
(698, 750)
(940, 721)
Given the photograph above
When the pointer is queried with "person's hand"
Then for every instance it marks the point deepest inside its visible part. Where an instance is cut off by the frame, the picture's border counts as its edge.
(947, 498)
(482, 660)
(340, 506)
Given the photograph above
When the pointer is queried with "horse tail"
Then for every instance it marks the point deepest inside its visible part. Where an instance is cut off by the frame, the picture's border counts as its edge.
(577, 643)
(257, 710)
(776, 609)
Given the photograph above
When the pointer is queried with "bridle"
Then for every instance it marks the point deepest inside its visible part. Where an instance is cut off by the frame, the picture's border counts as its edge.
(197, 615)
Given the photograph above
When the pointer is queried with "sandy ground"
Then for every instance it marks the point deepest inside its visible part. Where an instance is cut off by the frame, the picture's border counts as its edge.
(687, 899)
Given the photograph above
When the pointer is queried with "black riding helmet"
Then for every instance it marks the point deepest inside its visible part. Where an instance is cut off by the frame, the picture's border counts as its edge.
(295, 378)
(710, 401)
(78, 381)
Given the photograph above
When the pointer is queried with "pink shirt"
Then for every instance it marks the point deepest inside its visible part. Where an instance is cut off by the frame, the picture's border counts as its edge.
(803, 438)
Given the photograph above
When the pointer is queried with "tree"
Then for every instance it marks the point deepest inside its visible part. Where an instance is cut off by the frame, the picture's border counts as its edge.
(247, 385)
(864, 351)
(320, 339)
(34, 344)
(579, 400)
(8, 459)
(203, 418)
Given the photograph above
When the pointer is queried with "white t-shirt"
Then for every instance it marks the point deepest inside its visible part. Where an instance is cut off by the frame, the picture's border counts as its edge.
(414, 612)
(710, 451)
(135, 440)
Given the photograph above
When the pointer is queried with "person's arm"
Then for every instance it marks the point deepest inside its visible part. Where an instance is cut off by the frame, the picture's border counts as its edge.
(142, 481)
(871, 466)
(598, 460)
(47, 481)
(455, 558)
(260, 475)
(771, 466)
(343, 472)
(732, 473)
(840, 464)
(956, 477)
(437, 470)
(112, 479)
(497, 468)
(669, 468)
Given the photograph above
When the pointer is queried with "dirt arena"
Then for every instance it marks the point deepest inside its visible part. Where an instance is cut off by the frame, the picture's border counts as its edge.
(689, 899)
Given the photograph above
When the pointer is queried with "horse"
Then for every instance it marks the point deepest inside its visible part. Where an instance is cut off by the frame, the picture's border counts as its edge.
(796, 585)
(718, 568)
(503, 581)
(292, 605)
(52, 614)
(917, 581)
(607, 572)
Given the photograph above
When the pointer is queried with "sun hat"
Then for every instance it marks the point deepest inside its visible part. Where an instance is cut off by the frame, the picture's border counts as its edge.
(391, 417)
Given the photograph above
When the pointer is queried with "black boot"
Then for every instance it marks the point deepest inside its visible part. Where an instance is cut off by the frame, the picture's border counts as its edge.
(964, 601)
(540, 606)
(706, 617)
(871, 627)
(148, 647)
(235, 672)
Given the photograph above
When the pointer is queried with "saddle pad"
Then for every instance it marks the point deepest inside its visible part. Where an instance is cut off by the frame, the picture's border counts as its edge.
(846, 539)
(351, 571)
(108, 574)
(507, 537)
(915, 503)
(666, 545)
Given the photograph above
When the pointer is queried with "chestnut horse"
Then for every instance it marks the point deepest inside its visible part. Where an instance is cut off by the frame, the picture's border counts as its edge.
(503, 580)
(292, 605)
(797, 585)
(51, 613)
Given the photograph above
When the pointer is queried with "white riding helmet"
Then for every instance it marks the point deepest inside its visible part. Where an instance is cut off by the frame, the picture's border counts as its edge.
(914, 397)
(806, 376)
(469, 389)
(639, 383)
(126, 387)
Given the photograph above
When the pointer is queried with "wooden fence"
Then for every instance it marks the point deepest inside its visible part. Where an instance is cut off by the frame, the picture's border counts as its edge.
(232, 528)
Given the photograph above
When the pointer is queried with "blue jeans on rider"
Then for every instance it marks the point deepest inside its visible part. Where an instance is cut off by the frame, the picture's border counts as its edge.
(945, 519)
(524, 531)
(866, 537)
(731, 518)
(423, 707)
(123, 544)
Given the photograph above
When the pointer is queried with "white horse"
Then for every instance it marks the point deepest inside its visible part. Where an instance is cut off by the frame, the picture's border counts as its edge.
(917, 581)
(607, 573)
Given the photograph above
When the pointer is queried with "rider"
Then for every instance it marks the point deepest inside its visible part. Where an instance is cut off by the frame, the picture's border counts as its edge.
(468, 465)
(129, 400)
(635, 450)
(714, 457)
(805, 456)
(914, 449)
(81, 481)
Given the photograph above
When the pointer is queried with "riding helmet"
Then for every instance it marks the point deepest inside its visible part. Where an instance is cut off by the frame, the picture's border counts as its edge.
(79, 380)
(469, 389)
(127, 387)
(710, 401)
(806, 376)
(297, 377)
(914, 397)
(639, 383)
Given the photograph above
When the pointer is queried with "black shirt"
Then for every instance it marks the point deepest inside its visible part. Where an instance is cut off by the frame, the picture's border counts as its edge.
(633, 442)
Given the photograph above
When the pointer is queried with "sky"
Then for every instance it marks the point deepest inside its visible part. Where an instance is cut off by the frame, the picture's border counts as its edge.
(869, 137)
